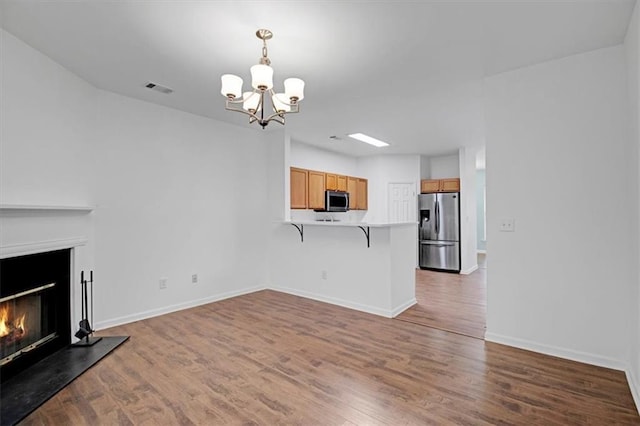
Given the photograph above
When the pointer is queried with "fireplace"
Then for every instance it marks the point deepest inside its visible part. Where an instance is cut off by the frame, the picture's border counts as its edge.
(34, 309)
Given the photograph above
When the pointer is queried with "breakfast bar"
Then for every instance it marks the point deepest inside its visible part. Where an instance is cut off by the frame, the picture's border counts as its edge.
(365, 266)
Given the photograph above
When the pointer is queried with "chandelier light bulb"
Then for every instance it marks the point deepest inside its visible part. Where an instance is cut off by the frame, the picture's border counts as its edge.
(294, 89)
(231, 86)
(251, 101)
(262, 77)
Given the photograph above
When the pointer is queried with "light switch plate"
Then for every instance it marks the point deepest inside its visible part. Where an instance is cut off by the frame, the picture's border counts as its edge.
(507, 224)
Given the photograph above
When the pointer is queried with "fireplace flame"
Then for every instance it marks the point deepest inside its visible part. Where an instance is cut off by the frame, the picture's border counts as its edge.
(4, 317)
(15, 328)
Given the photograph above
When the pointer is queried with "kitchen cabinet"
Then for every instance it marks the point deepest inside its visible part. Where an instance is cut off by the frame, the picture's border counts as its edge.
(440, 185)
(342, 183)
(450, 185)
(334, 182)
(316, 188)
(429, 185)
(352, 189)
(299, 178)
(308, 189)
(362, 195)
(331, 182)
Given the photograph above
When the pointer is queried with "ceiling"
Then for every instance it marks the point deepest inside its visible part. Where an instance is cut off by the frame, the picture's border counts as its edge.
(410, 73)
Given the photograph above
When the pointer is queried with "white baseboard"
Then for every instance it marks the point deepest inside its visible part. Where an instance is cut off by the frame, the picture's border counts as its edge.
(634, 385)
(556, 351)
(403, 307)
(482, 251)
(469, 270)
(173, 308)
(387, 313)
(193, 303)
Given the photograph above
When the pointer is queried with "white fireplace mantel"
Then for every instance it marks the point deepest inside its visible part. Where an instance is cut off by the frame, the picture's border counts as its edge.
(40, 247)
(35, 228)
(43, 208)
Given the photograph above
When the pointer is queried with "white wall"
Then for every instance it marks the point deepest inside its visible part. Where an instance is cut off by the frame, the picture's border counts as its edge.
(444, 166)
(383, 170)
(468, 215)
(425, 167)
(175, 194)
(632, 48)
(178, 195)
(313, 158)
(560, 162)
(46, 133)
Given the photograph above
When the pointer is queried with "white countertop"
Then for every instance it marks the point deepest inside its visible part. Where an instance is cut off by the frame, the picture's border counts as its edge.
(352, 224)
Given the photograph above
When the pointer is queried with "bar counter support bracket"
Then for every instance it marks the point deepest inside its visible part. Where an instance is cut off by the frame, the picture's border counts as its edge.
(367, 234)
(365, 229)
(300, 230)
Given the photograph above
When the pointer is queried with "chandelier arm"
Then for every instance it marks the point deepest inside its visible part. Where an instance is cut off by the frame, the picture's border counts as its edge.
(278, 119)
(293, 104)
(275, 115)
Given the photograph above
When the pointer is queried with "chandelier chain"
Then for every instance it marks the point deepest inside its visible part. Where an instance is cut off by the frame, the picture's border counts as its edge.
(265, 59)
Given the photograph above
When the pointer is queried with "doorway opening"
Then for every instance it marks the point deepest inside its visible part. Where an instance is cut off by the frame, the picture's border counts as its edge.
(450, 301)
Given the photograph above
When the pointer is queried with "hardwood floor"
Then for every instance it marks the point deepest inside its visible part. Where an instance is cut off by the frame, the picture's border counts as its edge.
(271, 358)
(451, 302)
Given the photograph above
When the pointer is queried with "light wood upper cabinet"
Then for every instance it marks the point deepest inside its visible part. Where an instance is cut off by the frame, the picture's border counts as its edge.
(362, 199)
(308, 189)
(352, 189)
(342, 183)
(429, 185)
(299, 178)
(439, 185)
(331, 182)
(450, 185)
(316, 190)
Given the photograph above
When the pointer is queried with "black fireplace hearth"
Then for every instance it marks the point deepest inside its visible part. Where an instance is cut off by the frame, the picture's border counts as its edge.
(37, 359)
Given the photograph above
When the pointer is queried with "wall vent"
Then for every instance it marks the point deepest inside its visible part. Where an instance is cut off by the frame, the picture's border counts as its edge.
(158, 88)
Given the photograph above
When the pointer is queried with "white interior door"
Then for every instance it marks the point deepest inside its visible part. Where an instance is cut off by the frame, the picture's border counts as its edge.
(402, 202)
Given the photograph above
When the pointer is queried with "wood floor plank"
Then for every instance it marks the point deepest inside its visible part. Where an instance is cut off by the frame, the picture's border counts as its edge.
(451, 302)
(271, 358)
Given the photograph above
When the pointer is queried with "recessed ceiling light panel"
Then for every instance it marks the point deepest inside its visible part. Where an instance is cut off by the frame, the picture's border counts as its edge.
(368, 139)
(158, 88)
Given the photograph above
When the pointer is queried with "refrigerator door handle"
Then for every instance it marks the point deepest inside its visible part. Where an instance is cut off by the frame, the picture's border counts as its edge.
(437, 209)
(437, 243)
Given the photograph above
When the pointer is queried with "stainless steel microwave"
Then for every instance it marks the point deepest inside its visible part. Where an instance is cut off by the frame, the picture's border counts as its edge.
(335, 201)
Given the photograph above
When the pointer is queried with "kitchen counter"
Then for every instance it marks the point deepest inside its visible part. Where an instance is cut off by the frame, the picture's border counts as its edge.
(345, 223)
(364, 226)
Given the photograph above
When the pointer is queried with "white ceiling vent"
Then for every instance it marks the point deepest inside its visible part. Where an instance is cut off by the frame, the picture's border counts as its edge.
(158, 88)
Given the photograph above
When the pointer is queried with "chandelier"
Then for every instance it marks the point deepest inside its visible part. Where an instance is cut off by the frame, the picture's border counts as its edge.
(253, 103)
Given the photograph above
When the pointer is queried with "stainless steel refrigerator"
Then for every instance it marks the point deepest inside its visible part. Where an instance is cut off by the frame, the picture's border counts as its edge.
(439, 232)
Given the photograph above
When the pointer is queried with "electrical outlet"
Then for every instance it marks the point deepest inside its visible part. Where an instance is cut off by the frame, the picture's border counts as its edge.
(507, 224)
(194, 278)
(323, 275)
(163, 283)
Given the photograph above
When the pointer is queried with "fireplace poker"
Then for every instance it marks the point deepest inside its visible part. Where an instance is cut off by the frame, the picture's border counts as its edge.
(85, 330)
(91, 281)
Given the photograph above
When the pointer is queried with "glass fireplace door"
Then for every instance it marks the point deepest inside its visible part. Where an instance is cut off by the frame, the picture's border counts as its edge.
(27, 320)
